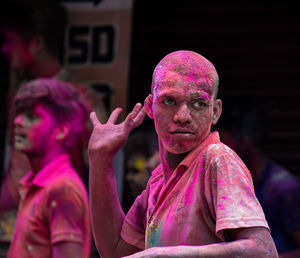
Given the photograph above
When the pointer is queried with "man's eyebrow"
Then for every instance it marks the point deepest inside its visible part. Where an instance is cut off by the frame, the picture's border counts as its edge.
(168, 95)
(201, 96)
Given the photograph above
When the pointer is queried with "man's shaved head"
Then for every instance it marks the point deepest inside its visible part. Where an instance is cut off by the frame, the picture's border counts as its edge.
(190, 65)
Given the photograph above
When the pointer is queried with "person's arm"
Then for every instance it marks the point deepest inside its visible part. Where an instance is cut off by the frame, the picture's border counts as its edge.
(106, 213)
(67, 249)
(246, 242)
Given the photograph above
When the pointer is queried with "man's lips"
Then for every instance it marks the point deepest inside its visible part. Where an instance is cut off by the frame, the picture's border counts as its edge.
(181, 132)
(19, 133)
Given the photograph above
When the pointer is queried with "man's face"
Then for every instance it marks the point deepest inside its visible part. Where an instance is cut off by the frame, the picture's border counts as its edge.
(183, 112)
(17, 50)
(33, 132)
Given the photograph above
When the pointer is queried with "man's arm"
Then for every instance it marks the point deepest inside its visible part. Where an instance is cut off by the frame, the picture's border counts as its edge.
(106, 213)
(246, 242)
(67, 249)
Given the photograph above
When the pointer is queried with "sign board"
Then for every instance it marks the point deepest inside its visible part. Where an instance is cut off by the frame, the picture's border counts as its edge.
(98, 46)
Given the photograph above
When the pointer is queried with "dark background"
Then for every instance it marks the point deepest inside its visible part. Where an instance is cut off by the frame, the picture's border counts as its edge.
(254, 44)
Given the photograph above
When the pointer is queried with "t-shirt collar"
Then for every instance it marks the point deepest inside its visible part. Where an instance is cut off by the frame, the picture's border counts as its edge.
(212, 138)
(47, 173)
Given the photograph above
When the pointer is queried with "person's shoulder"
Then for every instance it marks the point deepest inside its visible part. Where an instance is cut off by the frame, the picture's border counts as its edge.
(216, 150)
(220, 156)
(67, 182)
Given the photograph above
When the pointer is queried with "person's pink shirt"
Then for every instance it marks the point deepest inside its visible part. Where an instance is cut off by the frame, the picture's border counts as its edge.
(211, 190)
(53, 209)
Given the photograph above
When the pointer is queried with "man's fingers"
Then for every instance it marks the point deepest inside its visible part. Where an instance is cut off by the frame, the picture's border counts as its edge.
(94, 118)
(140, 117)
(135, 116)
(114, 115)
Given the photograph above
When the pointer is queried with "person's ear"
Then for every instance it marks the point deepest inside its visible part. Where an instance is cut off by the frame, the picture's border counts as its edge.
(217, 110)
(148, 105)
(37, 45)
(62, 130)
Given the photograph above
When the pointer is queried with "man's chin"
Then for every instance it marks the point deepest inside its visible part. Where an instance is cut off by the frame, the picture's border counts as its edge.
(180, 149)
(19, 147)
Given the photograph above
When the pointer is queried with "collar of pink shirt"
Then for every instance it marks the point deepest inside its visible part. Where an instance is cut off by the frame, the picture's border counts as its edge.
(212, 138)
(47, 174)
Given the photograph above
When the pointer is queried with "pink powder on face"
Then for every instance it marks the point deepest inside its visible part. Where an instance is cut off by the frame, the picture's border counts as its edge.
(195, 68)
(33, 130)
(184, 84)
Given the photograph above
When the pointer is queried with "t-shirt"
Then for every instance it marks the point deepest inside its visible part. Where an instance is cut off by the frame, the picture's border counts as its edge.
(210, 190)
(53, 209)
(279, 194)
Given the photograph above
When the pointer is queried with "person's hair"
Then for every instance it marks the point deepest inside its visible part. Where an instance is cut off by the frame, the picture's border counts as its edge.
(30, 18)
(189, 64)
(61, 99)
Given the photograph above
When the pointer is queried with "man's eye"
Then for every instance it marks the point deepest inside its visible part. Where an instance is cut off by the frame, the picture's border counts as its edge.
(30, 115)
(169, 102)
(198, 104)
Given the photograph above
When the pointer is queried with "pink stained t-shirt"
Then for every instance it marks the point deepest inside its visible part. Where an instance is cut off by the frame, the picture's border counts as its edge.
(210, 190)
(53, 209)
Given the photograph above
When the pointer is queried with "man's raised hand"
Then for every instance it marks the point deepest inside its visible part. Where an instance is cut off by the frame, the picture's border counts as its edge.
(108, 138)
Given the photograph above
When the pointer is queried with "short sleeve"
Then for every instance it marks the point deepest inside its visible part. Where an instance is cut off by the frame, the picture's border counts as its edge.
(66, 213)
(234, 204)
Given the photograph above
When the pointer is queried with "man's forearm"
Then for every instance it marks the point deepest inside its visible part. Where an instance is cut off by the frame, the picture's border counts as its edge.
(106, 213)
(240, 248)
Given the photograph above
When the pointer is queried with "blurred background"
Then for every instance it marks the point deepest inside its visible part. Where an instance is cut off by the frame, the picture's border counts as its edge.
(113, 46)
(254, 44)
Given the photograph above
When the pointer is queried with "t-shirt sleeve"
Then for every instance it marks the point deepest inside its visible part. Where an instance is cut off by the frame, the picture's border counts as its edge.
(66, 212)
(133, 229)
(230, 189)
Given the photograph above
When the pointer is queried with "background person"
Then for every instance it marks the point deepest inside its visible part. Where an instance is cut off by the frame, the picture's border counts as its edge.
(34, 32)
(53, 215)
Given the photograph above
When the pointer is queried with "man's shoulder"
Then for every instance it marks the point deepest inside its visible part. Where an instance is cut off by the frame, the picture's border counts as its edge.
(217, 150)
(66, 181)
(219, 156)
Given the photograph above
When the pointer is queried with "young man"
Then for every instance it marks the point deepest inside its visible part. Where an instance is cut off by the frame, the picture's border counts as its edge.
(199, 202)
(53, 215)
(33, 44)
(34, 32)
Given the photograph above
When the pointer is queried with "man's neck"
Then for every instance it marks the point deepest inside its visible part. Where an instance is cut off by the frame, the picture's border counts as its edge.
(45, 68)
(38, 162)
(170, 161)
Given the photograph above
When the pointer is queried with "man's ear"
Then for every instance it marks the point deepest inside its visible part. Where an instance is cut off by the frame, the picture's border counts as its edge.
(37, 45)
(62, 130)
(148, 105)
(217, 110)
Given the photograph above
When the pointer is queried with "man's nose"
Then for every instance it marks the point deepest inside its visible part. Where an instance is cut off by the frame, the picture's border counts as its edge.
(19, 120)
(183, 114)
